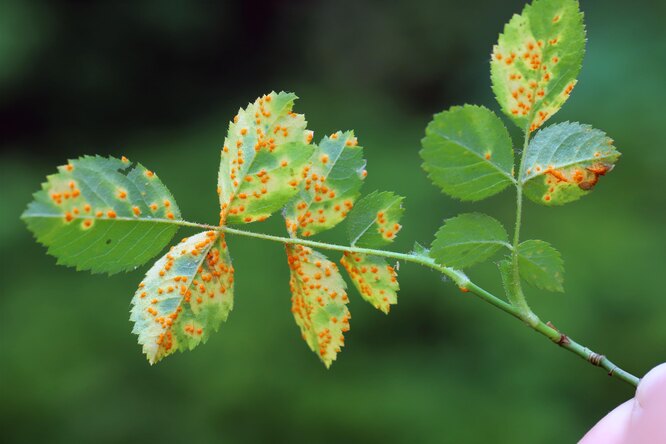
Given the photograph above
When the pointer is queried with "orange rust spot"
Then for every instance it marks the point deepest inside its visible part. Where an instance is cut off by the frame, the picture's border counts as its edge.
(111, 214)
(136, 211)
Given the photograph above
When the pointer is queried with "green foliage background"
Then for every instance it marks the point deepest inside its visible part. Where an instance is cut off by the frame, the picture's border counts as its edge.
(159, 85)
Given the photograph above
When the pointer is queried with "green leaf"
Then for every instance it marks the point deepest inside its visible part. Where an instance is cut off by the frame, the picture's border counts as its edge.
(541, 265)
(468, 239)
(103, 214)
(184, 297)
(420, 251)
(565, 161)
(330, 188)
(374, 279)
(374, 221)
(263, 157)
(318, 301)
(467, 153)
(536, 61)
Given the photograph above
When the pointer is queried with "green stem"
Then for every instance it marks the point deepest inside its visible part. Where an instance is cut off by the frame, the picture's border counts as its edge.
(460, 279)
(515, 294)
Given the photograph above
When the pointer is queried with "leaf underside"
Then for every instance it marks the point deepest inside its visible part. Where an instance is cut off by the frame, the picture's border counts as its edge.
(564, 162)
(184, 297)
(467, 152)
(319, 301)
(374, 279)
(536, 61)
(468, 239)
(263, 159)
(374, 221)
(103, 214)
(331, 185)
(541, 265)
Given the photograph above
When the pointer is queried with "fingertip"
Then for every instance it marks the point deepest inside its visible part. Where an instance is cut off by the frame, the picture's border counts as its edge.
(612, 428)
(651, 391)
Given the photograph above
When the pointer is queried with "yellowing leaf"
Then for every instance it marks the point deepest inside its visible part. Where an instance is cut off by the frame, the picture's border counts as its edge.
(184, 297)
(331, 186)
(103, 214)
(536, 60)
(318, 301)
(565, 161)
(263, 157)
(373, 278)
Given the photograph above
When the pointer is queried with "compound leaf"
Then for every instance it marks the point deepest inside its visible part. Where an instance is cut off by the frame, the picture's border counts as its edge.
(184, 297)
(565, 161)
(541, 265)
(263, 157)
(467, 239)
(103, 214)
(374, 221)
(318, 301)
(537, 59)
(375, 280)
(467, 152)
(331, 186)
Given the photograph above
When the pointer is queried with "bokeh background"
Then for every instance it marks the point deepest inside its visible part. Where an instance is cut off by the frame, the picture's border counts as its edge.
(158, 82)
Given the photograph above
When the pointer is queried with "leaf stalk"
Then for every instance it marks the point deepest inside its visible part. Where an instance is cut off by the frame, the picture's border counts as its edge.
(460, 279)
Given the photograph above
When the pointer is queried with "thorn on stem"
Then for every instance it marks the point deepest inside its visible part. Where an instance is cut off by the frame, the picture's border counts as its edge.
(563, 340)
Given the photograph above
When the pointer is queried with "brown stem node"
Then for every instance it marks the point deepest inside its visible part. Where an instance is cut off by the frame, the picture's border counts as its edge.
(595, 358)
(564, 339)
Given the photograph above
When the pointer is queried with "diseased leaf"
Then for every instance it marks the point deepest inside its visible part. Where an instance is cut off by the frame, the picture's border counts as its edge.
(373, 278)
(263, 157)
(541, 265)
(536, 61)
(467, 153)
(318, 301)
(468, 239)
(331, 186)
(565, 161)
(374, 221)
(102, 214)
(184, 297)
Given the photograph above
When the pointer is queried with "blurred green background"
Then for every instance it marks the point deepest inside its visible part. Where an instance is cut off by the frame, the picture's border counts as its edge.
(158, 82)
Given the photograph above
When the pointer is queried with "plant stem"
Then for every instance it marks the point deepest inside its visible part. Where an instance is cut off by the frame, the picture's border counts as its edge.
(515, 293)
(458, 277)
